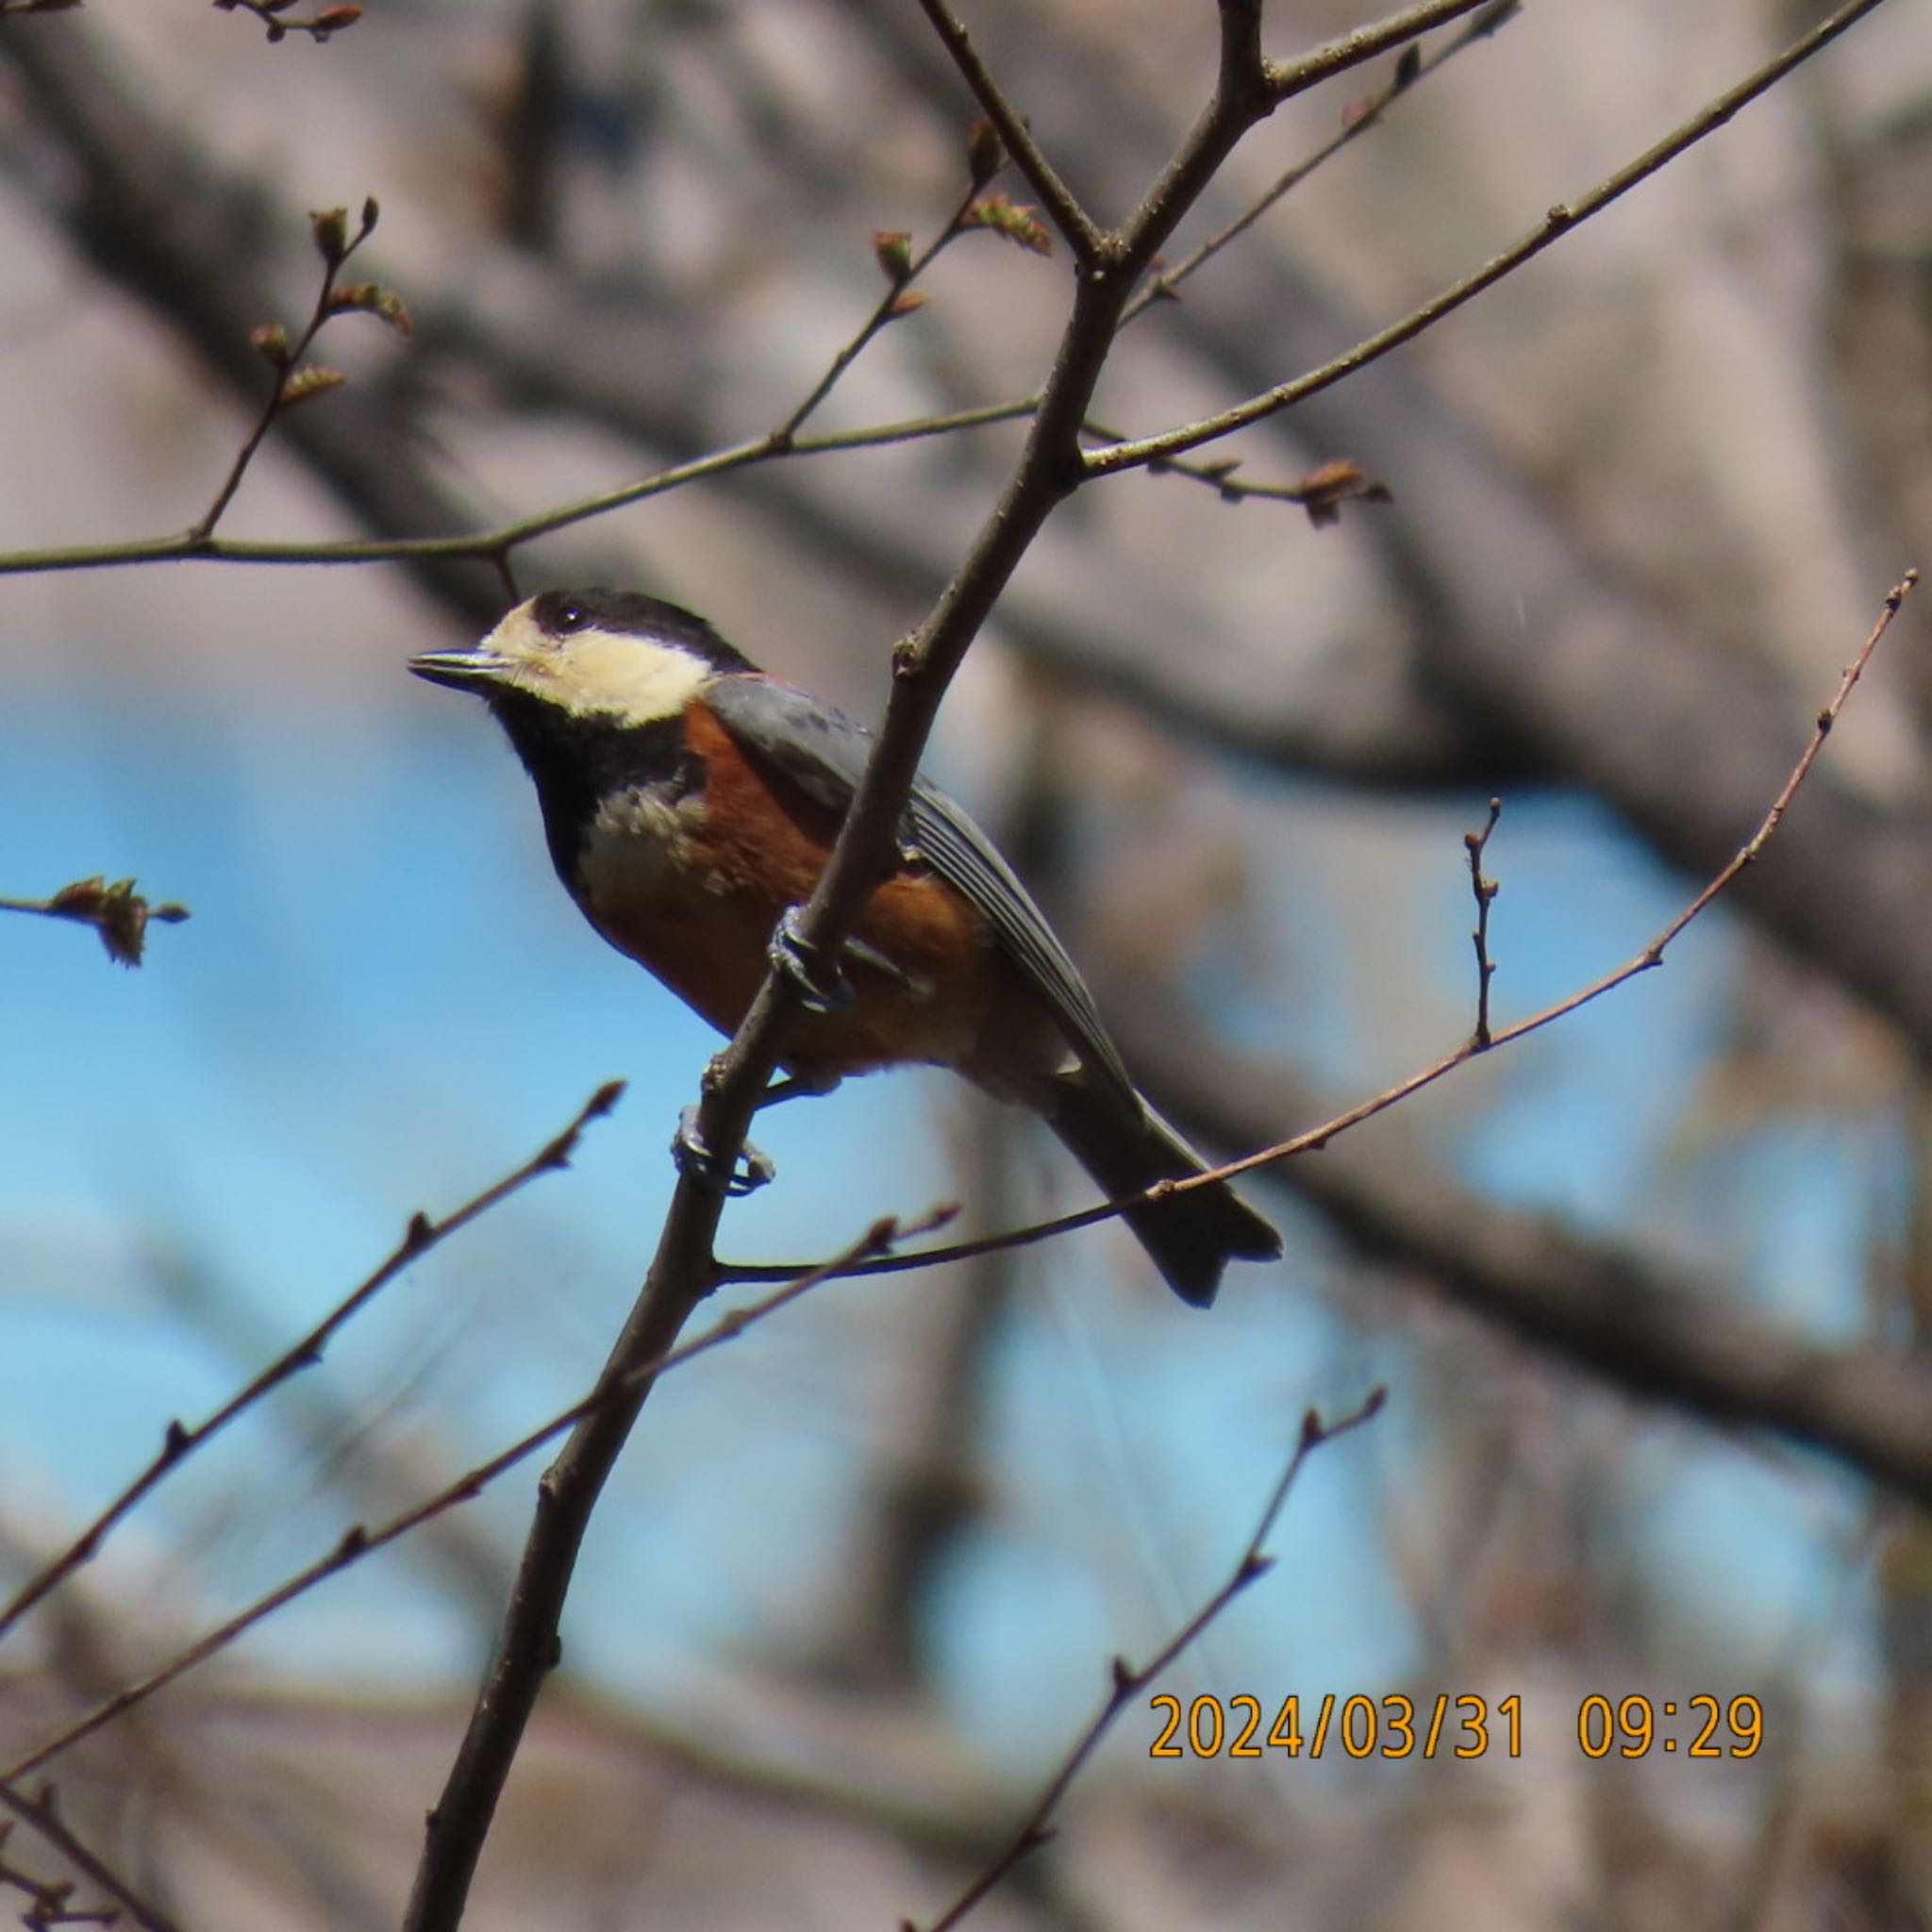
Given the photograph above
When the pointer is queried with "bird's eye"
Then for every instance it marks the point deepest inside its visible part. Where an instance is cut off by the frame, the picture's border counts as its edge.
(560, 615)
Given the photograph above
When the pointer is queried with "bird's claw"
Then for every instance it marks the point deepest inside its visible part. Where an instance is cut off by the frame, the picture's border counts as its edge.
(803, 964)
(696, 1161)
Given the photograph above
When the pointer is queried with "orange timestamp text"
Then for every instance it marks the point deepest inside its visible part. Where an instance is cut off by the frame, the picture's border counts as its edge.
(1701, 1726)
(1395, 1726)
(1391, 1727)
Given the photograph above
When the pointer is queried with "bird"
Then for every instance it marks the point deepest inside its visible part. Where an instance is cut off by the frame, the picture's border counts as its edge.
(690, 803)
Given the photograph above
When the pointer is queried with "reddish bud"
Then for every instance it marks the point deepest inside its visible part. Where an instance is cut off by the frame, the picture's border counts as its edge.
(312, 381)
(1323, 491)
(330, 228)
(372, 298)
(891, 248)
(1017, 223)
(985, 154)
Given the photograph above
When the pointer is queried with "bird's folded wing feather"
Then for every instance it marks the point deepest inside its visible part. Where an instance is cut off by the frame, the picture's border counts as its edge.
(824, 753)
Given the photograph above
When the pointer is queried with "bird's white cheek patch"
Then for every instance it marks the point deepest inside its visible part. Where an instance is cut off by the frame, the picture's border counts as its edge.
(633, 679)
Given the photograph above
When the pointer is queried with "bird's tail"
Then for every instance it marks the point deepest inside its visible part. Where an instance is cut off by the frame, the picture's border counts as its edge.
(1126, 1147)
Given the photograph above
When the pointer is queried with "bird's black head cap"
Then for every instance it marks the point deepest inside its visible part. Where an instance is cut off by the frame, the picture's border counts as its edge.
(562, 614)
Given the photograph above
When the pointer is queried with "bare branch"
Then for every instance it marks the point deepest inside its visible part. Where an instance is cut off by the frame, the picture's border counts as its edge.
(492, 545)
(50, 1906)
(1129, 1681)
(1321, 493)
(1084, 239)
(296, 382)
(1292, 77)
(1475, 844)
(1617, 1312)
(683, 1270)
(903, 270)
(1560, 221)
(1361, 116)
(179, 1443)
(612, 1392)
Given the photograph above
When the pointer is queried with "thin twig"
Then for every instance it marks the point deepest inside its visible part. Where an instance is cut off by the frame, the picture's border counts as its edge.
(1314, 1139)
(494, 545)
(1288, 79)
(118, 914)
(902, 277)
(359, 1541)
(1475, 844)
(1321, 493)
(1361, 116)
(293, 383)
(41, 1815)
(179, 1443)
(1560, 221)
(1084, 239)
(1129, 1681)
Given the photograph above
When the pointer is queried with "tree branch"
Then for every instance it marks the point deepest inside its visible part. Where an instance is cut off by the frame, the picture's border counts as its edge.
(1361, 117)
(360, 1542)
(1291, 78)
(1611, 1311)
(1130, 1680)
(51, 1907)
(179, 1443)
(1561, 220)
(1084, 239)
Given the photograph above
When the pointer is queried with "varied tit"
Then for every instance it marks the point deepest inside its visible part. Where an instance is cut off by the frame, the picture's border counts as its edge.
(691, 803)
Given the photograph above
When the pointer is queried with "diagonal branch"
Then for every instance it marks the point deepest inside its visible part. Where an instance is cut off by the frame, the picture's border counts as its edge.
(1288, 79)
(1130, 1680)
(179, 1443)
(1613, 1311)
(1084, 239)
(1561, 220)
(1361, 117)
(40, 1816)
(360, 1542)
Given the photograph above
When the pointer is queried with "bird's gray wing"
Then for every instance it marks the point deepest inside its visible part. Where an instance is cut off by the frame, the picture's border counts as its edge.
(824, 753)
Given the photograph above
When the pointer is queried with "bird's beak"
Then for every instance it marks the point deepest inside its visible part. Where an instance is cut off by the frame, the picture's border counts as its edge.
(472, 670)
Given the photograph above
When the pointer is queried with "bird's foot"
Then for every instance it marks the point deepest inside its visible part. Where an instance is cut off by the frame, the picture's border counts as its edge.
(823, 989)
(696, 1161)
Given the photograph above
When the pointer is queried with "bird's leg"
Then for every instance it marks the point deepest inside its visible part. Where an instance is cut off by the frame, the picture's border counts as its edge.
(822, 991)
(696, 1161)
